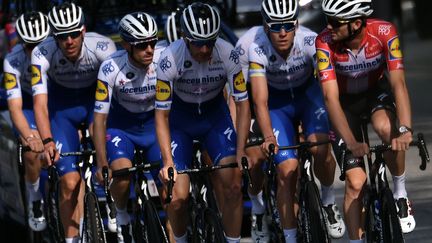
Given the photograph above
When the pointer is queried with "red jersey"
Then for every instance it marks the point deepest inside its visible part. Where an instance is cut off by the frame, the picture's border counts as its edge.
(379, 51)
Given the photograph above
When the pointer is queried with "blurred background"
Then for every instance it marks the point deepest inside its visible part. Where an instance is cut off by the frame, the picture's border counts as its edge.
(412, 17)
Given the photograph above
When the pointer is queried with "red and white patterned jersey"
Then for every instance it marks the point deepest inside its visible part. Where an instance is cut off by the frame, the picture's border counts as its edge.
(380, 51)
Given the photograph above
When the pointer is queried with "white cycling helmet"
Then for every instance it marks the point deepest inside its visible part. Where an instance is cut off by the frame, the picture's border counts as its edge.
(347, 9)
(200, 21)
(66, 18)
(137, 27)
(172, 26)
(33, 27)
(279, 10)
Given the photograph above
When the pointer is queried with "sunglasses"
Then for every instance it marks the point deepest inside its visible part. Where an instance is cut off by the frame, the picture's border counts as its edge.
(277, 27)
(336, 23)
(201, 43)
(144, 44)
(73, 35)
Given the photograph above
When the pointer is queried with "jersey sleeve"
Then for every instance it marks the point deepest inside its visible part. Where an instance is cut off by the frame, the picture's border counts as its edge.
(392, 49)
(104, 86)
(11, 80)
(166, 74)
(257, 60)
(40, 64)
(235, 78)
(104, 48)
(326, 71)
(241, 50)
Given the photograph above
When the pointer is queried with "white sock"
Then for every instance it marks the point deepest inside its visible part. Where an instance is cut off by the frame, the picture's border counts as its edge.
(357, 241)
(257, 203)
(290, 235)
(33, 191)
(327, 195)
(399, 186)
(122, 216)
(181, 239)
(72, 240)
(232, 240)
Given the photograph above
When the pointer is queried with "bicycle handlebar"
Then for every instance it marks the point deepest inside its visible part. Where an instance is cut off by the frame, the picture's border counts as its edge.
(168, 199)
(207, 169)
(79, 153)
(245, 167)
(141, 167)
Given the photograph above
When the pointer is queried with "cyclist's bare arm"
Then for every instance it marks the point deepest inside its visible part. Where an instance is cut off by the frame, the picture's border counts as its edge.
(339, 120)
(164, 140)
(99, 140)
(260, 98)
(403, 107)
(20, 122)
(40, 106)
(242, 126)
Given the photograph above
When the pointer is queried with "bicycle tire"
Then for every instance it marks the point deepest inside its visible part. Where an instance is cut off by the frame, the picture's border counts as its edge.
(312, 219)
(55, 225)
(92, 225)
(208, 227)
(371, 230)
(154, 229)
(392, 230)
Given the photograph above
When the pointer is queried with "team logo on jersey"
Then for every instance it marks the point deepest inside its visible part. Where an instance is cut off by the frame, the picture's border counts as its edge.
(234, 56)
(101, 91)
(102, 45)
(36, 77)
(163, 90)
(10, 81)
(323, 59)
(239, 83)
(187, 64)
(309, 40)
(130, 75)
(164, 64)
(255, 66)
(394, 49)
(15, 63)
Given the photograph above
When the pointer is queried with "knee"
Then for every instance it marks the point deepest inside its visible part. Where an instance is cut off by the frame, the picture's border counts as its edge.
(354, 187)
(70, 185)
(178, 204)
(383, 129)
(233, 192)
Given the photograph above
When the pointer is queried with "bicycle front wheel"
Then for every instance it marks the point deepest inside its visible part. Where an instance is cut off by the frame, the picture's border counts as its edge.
(93, 226)
(154, 229)
(391, 227)
(208, 228)
(55, 225)
(311, 218)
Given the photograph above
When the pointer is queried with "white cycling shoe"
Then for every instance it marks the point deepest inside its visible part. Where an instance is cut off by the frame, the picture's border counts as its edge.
(36, 218)
(259, 229)
(406, 214)
(335, 224)
(112, 222)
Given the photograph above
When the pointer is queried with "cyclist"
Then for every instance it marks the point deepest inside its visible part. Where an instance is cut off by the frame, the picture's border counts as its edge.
(172, 26)
(125, 97)
(65, 67)
(285, 91)
(190, 105)
(32, 29)
(354, 53)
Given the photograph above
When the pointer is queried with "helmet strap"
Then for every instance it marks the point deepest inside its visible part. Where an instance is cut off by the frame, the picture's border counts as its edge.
(352, 34)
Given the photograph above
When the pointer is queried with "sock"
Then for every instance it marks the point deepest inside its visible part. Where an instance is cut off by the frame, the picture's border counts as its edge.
(357, 241)
(399, 186)
(257, 203)
(327, 195)
(122, 216)
(33, 191)
(290, 235)
(181, 239)
(232, 240)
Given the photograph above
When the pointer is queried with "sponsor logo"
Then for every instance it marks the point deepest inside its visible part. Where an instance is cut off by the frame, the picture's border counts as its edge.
(10, 81)
(309, 40)
(239, 83)
(130, 75)
(15, 63)
(384, 29)
(365, 65)
(259, 50)
(40, 52)
(99, 107)
(255, 66)
(165, 64)
(101, 91)
(107, 68)
(187, 64)
(163, 90)
(240, 51)
(36, 77)
(234, 56)
(323, 58)
(394, 49)
(138, 90)
(102, 45)
(203, 80)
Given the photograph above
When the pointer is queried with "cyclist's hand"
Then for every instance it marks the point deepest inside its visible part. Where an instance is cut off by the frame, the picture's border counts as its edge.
(266, 144)
(35, 143)
(402, 142)
(163, 173)
(239, 160)
(358, 149)
(99, 175)
(51, 151)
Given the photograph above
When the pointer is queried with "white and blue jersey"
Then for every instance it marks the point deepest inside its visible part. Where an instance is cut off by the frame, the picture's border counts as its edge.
(294, 92)
(127, 94)
(17, 76)
(70, 87)
(193, 92)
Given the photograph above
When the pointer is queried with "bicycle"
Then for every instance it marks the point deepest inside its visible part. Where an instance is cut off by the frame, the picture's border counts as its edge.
(206, 225)
(147, 224)
(311, 218)
(382, 222)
